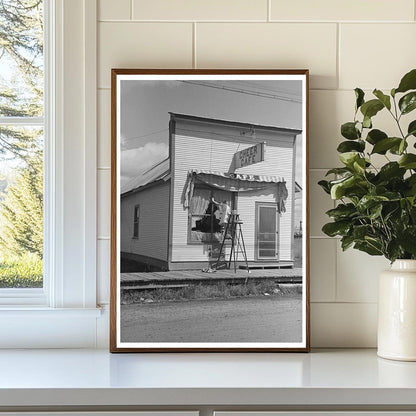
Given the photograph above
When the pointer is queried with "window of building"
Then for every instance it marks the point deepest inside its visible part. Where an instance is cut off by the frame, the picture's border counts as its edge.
(204, 221)
(22, 127)
(136, 220)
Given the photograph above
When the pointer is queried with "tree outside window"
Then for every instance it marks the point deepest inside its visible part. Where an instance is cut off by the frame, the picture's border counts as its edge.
(21, 143)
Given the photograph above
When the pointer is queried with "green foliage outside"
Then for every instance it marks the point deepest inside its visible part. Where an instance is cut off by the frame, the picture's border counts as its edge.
(376, 210)
(21, 271)
(21, 147)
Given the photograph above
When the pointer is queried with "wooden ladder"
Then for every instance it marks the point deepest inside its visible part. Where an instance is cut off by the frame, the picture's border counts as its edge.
(233, 232)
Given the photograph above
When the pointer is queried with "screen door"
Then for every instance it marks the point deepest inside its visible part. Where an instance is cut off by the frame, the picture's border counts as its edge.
(267, 232)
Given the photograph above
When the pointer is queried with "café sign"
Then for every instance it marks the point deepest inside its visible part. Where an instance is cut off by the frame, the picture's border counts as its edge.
(249, 156)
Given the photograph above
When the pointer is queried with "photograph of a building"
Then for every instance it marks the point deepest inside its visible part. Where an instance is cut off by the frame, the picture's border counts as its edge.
(210, 217)
(162, 208)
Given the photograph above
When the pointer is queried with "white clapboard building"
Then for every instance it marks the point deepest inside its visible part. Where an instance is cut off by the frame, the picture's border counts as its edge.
(168, 220)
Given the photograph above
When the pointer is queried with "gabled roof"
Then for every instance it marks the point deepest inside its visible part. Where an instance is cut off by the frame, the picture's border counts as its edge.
(286, 130)
(156, 173)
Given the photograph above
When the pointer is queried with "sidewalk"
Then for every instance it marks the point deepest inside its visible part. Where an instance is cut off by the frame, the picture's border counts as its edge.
(183, 277)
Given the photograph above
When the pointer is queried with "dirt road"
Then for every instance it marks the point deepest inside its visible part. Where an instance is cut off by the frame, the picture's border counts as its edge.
(262, 319)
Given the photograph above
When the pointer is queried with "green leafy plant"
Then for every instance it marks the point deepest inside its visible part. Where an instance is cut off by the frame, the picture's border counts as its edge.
(376, 210)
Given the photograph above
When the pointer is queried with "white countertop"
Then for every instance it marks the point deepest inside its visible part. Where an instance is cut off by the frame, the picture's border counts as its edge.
(96, 377)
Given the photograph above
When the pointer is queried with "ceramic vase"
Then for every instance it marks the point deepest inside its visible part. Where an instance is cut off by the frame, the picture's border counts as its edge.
(397, 312)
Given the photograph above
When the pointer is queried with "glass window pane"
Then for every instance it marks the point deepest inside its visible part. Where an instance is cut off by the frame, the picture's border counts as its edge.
(21, 207)
(267, 221)
(21, 58)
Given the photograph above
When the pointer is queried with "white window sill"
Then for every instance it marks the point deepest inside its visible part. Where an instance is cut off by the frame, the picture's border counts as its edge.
(36, 312)
(41, 327)
(331, 379)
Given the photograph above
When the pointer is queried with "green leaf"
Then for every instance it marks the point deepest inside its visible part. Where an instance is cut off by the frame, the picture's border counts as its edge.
(393, 250)
(368, 248)
(367, 122)
(385, 99)
(407, 240)
(408, 102)
(345, 186)
(342, 211)
(390, 170)
(375, 212)
(359, 95)
(398, 149)
(385, 144)
(338, 171)
(369, 201)
(411, 130)
(371, 108)
(375, 136)
(325, 186)
(336, 228)
(408, 161)
(348, 158)
(346, 242)
(349, 146)
(408, 82)
(360, 231)
(349, 131)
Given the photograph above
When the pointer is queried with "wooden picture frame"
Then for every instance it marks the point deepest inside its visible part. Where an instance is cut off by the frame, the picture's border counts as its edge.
(209, 210)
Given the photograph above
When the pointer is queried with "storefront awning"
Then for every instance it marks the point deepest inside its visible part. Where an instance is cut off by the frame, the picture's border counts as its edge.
(235, 182)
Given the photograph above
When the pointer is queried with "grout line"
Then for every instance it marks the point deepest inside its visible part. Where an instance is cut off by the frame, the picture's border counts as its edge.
(103, 238)
(309, 22)
(104, 168)
(319, 169)
(344, 303)
(269, 10)
(336, 270)
(194, 63)
(338, 63)
(131, 9)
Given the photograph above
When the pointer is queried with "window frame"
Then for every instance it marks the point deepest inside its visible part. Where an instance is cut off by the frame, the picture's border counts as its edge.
(67, 314)
(37, 296)
(211, 241)
(136, 222)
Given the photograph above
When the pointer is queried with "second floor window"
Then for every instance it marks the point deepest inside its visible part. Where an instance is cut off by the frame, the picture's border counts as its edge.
(136, 219)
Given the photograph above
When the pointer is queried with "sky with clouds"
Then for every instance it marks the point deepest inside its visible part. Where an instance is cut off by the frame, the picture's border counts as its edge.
(145, 107)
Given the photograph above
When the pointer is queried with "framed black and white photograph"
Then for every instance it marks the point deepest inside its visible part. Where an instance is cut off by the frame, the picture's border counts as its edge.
(209, 216)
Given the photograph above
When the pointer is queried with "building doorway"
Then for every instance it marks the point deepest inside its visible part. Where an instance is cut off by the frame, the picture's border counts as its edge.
(267, 231)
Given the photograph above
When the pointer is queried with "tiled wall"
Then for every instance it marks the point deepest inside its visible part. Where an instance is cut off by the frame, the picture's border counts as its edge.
(344, 43)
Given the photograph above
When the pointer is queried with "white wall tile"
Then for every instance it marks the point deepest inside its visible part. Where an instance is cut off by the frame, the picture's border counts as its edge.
(357, 275)
(142, 45)
(342, 10)
(323, 269)
(104, 202)
(104, 129)
(347, 325)
(103, 271)
(114, 10)
(200, 10)
(258, 45)
(327, 113)
(319, 203)
(376, 55)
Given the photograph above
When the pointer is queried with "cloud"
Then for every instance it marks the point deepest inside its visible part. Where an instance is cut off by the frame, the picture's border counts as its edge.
(134, 161)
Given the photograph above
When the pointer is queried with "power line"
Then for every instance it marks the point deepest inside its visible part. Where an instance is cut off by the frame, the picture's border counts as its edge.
(145, 135)
(248, 92)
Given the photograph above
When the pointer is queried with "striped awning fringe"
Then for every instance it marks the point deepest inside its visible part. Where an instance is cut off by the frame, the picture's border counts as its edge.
(239, 176)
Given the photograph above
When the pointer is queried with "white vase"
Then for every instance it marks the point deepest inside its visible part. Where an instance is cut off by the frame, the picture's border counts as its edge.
(397, 312)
